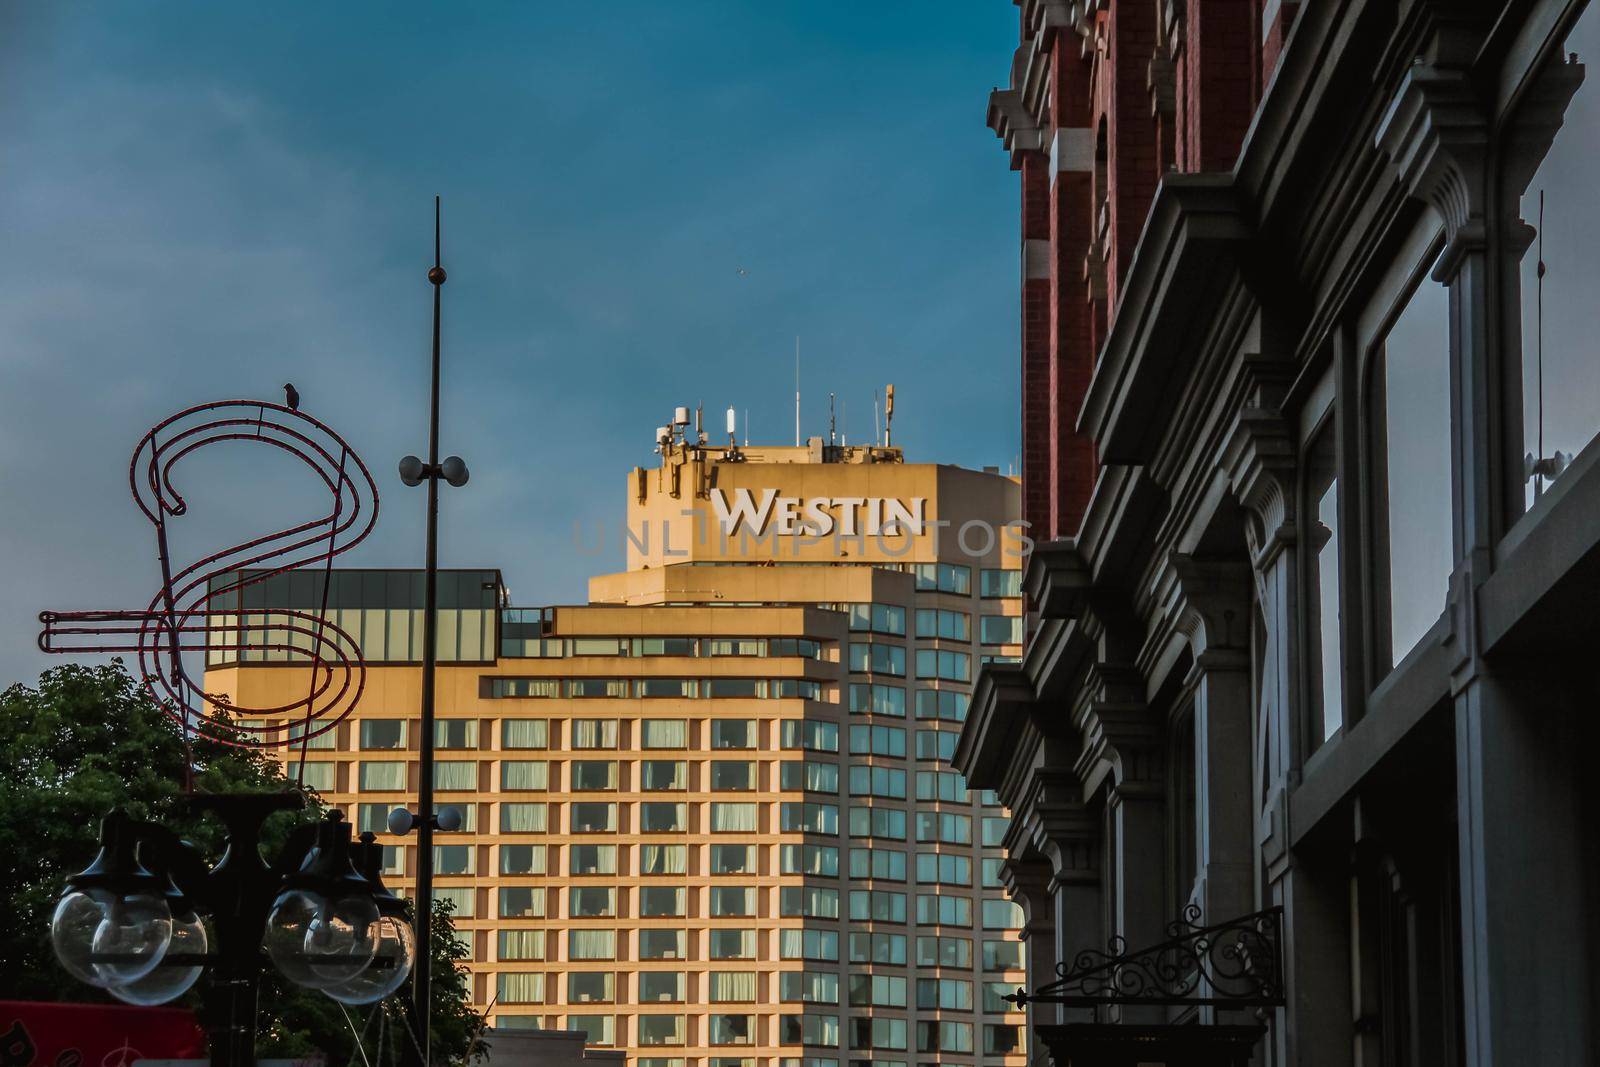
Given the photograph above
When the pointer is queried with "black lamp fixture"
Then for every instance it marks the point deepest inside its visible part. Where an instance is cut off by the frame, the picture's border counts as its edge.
(134, 921)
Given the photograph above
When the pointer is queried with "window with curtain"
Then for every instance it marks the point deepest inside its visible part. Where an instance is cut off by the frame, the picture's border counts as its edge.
(591, 902)
(518, 988)
(522, 902)
(373, 817)
(733, 859)
(592, 774)
(661, 901)
(809, 945)
(524, 774)
(733, 944)
(877, 905)
(663, 646)
(822, 860)
(735, 688)
(733, 733)
(877, 991)
(812, 1029)
(940, 663)
(523, 818)
(525, 687)
(946, 704)
(656, 775)
(592, 944)
(809, 734)
(520, 944)
(600, 1029)
(663, 944)
(594, 733)
(455, 774)
(1002, 915)
(663, 859)
(1002, 955)
(737, 775)
(733, 987)
(724, 1029)
(809, 775)
(878, 948)
(467, 811)
(999, 583)
(522, 859)
(936, 623)
(524, 733)
(878, 741)
(455, 733)
(592, 688)
(943, 910)
(1000, 630)
(944, 1037)
(593, 817)
(382, 776)
(592, 859)
(661, 987)
(947, 787)
(462, 898)
(888, 824)
(728, 817)
(809, 818)
(319, 775)
(591, 987)
(870, 781)
(808, 901)
(661, 817)
(730, 902)
(944, 994)
(875, 698)
(868, 1032)
(453, 859)
(937, 868)
(664, 733)
(1001, 1039)
(994, 998)
(945, 952)
(383, 733)
(668, 688)
(885, 863)
(662, 1029)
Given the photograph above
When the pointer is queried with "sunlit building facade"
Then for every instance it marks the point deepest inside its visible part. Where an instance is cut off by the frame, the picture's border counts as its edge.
(709, 816)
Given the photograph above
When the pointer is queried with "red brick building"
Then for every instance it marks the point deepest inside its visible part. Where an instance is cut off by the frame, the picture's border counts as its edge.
(1105, 98)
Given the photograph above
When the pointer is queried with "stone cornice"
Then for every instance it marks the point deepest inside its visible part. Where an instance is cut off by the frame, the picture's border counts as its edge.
(1196, 229)
(998, 717)
(1057, 580)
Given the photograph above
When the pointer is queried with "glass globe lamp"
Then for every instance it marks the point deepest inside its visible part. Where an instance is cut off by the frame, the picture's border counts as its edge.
(316, 942)
(132, 937)
(170, 979)
(393, 954)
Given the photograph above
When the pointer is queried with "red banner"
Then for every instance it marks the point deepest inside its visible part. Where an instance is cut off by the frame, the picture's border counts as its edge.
(34, 1034)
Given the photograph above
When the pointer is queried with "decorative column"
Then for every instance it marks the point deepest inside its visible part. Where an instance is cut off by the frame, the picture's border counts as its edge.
(1028, 883)
(1312, 1029)
(1527, 989)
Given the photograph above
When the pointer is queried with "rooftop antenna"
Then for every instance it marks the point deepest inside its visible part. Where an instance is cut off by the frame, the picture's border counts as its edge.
(797, 390)
(699, 423)
(733, 426)
(888, 414)
(747, 427)
(877, 430)
(844, 422)
(832, 437)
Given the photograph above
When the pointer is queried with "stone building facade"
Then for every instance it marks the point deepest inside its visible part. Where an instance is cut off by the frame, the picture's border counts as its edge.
(1308, 397)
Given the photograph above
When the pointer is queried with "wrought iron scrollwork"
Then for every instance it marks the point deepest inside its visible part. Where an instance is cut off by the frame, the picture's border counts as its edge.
(1238, 963)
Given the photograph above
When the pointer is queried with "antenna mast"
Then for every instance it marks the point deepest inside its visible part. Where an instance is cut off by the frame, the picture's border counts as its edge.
(888, 415)
(877, 430)
(797, 390)
(832, 439)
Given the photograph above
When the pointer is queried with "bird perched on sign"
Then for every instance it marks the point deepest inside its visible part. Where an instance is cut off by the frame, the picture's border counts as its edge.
(291, 396)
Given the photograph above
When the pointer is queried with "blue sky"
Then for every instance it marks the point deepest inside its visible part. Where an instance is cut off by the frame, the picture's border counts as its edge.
(203, 201)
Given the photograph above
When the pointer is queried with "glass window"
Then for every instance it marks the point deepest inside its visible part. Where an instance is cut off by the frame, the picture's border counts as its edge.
(733, 859)
(661, 986)
(319, 775)
(732, 987)
(873, 1032)
(810, 776)
(794, 647)
(729, 817)
(939, 624)
(994, 998)
(591, 902)
(1000, 630)
(455, 775)
(1002, 915)
(662, 1029)
(1002, 955)
(944, 664)
(878, 658)
(591, 817)
(663, 944)
(522, 859)
(663, 774)
(591, 944)
(943, 578)
(452, 859)
(1001, 1039)
(805, 901)
(598, 646)
(937, 744)
(945, 952)
(734, 646)
(525, 687)
(994, 830)
(732, 944)
(722, 1029)
(520, 944)
(592, 774)
(946, 704)
(808, 944)
(524, 733)
(948, 787)
(736, 688)
(796, 689)
(820, 860)
(943, 910)
(664, 733)
(885, 823)
(455, 733)
(878, 948)
(1326, 661)
(663, 859)
(373, 817)
(592, 859)
(998, 583)
(523, 818)
(522, 902)
(514, 988)
(811, 1028)
(937, 868)
(524, 774)
(661, 902)
(662, 817)
(949, 827)
(668, 688)
(808, 987)
(590, 987)
(733, 733)
(877, 905)
(732, 901)
(593, 688)
(809, 818)
(869, 781)
(877, 699)
(663, 646)
(463, 901)
(598, 1028)
(738, 775)
(944, 1037)
(885, 863)
(877, 991)
(878, 618)
(877, 741)
(812, 735)
(382, 777)
(594, 733)
(383, 733)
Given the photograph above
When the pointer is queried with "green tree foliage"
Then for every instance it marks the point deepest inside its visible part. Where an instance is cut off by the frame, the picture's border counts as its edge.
(89, 739)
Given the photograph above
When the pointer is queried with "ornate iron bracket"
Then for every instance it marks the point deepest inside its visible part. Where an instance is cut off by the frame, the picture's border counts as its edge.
(1235, 964)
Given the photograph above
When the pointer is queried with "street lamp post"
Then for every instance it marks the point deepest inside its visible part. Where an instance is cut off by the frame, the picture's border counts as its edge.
(132, 922)
(413, 472)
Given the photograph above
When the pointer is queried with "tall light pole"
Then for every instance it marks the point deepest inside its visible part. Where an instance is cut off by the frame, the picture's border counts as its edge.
(413, 472)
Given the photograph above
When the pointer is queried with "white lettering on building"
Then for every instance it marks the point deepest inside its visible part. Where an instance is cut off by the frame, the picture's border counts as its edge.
(817, 516)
